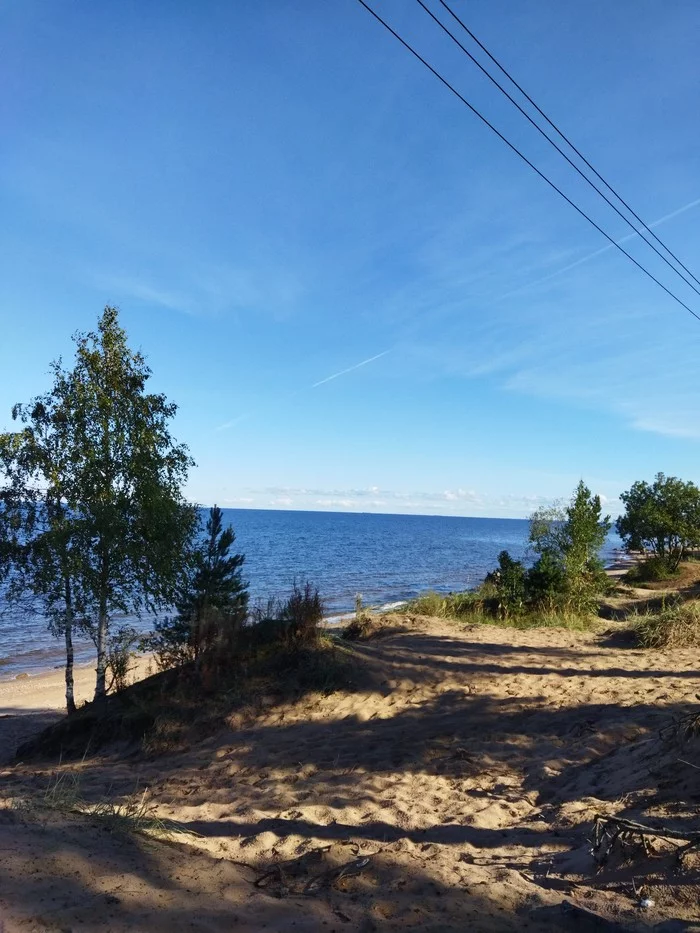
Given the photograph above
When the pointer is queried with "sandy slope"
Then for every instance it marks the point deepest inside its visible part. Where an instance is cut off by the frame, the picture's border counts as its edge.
(30, 702)
(467, 773)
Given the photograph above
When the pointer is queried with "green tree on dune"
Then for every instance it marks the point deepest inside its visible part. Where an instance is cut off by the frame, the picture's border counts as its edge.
(102, 477)
(567, 541)
(212, 602)
(662, 517)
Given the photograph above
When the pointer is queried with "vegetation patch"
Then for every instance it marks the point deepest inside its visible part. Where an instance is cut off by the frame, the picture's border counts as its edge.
(464, 605)
(561, 588)
(132, 814)
(479, 607)
(174, 708)
(676, 625)
(652, 570)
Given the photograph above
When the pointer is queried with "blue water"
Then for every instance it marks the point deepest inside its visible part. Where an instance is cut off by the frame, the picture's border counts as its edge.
(385, 558)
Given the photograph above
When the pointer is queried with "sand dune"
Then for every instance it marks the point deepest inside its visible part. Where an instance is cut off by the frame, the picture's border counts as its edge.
(466, 770)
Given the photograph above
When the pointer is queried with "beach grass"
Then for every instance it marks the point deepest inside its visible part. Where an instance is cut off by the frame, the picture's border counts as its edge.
(473, 607)
(675, 625)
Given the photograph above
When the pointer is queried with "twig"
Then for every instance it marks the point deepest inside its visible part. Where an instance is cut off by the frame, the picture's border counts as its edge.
(604, 840)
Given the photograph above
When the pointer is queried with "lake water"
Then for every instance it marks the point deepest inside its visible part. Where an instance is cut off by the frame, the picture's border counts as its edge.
(386, 558)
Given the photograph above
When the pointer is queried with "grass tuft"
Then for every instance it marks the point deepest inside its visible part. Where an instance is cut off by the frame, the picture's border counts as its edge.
(675, 625)
(135, 814)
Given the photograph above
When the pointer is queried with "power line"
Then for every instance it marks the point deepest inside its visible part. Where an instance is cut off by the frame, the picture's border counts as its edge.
(525, 159)
(561, 152)
(567, 141)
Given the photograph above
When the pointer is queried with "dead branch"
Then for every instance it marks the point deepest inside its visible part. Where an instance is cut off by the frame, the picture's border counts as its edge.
(607, 830)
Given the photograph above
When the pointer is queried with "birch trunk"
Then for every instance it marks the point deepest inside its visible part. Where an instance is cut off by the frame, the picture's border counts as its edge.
(70, 695)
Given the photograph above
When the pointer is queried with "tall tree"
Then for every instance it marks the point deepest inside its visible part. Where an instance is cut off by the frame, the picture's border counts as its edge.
(115, 473)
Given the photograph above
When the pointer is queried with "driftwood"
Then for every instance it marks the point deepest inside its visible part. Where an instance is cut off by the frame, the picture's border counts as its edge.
(297, 875)
(607, 830)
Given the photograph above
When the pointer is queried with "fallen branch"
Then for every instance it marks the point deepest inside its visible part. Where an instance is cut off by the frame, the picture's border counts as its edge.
(682, 728)
(608, 829)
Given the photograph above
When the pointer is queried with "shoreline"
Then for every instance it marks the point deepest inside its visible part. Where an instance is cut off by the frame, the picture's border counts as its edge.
(31, 701)
(618, 564)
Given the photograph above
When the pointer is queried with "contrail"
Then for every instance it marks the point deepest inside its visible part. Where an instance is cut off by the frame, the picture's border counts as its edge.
(603, 249)
(229, 424)
(350, 369)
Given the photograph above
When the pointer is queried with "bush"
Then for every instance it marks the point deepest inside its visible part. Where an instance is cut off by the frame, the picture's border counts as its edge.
(120, 651)
(288, 623)
(545, 582)
(676, 625)
(508, 583)
(301, 614)
(652, 570)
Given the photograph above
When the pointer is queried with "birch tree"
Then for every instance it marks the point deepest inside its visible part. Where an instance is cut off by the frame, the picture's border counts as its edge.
(115, 473)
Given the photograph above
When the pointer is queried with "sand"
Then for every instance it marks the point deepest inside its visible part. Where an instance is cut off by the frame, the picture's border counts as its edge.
(31, 701)
(467, 771)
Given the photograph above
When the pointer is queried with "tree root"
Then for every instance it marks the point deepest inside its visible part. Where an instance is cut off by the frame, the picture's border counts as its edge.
(608, 830)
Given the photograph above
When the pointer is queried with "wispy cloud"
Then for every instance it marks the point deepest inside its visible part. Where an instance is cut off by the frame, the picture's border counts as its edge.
(121, 287)
(376, 499)
(599, 252)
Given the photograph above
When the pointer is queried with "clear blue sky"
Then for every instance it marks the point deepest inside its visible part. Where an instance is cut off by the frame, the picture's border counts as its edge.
(273, 192)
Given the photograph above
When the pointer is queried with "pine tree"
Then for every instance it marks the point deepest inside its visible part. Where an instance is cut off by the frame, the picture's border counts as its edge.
(213, 600)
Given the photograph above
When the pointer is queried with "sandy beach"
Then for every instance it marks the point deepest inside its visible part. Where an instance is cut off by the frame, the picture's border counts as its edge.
(459, 779)
(31, 701)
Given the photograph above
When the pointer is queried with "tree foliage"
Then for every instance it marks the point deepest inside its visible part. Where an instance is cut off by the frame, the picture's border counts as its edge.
(508, 581)
(100, 477)
(567, 573)
(568, 540)
(662, 517)
(38, 538)
(212, 602)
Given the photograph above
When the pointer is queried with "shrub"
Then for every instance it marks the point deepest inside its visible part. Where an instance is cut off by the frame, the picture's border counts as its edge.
(361, 624)
(651, 570)
(288, 623)
(508, 582)
(120, 651)
(545, 581)
(301, 614)
(676, 625)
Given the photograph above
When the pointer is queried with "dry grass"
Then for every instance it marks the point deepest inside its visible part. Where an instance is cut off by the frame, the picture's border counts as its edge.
(133, 814)
(676, 625)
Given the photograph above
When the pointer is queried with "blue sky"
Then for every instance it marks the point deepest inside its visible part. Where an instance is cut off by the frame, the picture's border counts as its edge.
(274, 192)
